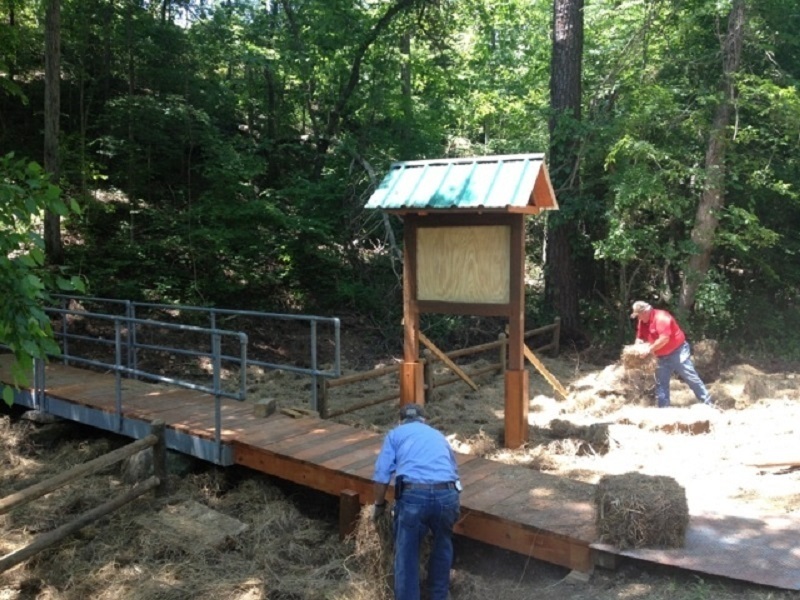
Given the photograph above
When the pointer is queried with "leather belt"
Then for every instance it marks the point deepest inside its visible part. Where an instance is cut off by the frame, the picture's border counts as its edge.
(448, 485)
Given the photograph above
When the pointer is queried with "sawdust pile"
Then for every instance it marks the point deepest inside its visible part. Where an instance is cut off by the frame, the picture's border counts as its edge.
(641, 511)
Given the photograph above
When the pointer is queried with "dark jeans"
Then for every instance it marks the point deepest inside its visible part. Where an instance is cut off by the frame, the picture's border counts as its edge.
(417, 513)
(679, 361)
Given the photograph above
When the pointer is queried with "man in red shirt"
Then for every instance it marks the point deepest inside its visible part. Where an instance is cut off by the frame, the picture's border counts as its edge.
(658, 332)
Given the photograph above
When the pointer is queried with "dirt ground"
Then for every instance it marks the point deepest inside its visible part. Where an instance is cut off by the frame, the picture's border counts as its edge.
(290, 548)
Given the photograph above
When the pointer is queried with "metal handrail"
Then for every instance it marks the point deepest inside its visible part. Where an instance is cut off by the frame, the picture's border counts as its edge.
(123, 326)
(313, 370)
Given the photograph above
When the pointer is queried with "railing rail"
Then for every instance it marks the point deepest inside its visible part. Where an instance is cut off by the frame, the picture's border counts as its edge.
(124, 347)
(428, 360)
(157, 482)
(169, 312)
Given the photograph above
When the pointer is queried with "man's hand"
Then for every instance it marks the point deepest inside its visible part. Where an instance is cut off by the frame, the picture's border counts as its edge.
(378, 510)
(644, 350)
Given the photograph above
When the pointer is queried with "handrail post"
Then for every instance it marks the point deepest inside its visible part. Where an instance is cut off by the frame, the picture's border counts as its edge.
(118, 372)
(242, 366)
(64, 330)
(315, 376)
(131, 339)
(337, 334)
(217, 358)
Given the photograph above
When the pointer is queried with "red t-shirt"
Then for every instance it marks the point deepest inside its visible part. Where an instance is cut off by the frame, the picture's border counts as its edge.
(661, 323)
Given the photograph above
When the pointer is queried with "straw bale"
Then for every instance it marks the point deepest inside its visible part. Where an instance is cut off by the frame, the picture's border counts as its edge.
(641, 511)
(632, 360)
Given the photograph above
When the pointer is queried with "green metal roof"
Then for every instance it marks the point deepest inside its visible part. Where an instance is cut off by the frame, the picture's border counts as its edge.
(508, 183)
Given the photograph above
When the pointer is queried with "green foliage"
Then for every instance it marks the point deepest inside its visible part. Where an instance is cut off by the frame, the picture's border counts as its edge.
(25, 193)
(227, 160)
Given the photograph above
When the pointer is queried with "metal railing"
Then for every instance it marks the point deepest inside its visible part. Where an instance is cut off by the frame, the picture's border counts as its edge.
(164, 313)
(124, 346)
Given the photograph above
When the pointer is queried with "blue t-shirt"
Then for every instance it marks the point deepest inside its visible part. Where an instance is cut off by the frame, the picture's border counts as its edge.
(417, 451)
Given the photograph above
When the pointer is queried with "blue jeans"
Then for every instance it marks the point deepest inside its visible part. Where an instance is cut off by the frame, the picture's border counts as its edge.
(679, 361)
(416, 513)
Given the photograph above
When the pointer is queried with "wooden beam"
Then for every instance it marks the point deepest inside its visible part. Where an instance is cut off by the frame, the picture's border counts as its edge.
(446, 360)
(551, 379)
(349, 509)
(52, 537)
(516, 408)
(93, 466)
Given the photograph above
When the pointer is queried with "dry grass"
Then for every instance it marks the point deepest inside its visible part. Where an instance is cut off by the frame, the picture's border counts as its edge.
(291, 549)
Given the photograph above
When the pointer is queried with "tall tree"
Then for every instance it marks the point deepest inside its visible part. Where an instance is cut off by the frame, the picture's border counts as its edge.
(52, 114)
(713, 195)
(561, 289)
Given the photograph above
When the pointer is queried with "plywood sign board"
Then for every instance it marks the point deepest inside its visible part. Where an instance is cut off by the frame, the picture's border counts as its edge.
(464, 264)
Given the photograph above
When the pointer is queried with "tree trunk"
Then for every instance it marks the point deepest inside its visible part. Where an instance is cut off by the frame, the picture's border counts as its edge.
(561, 289)
(713, 196)
(52, 109)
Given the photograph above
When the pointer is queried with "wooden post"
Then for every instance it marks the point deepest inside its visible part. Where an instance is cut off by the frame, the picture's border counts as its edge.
(503, 352)
(45, 487)
(516, 408)
(427, 374)
(412, 384)
(556, 335)
(349, 509)
(158, 428)
(51, 537)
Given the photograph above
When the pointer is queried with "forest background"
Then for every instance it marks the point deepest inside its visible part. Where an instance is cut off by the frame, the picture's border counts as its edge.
(221, 153)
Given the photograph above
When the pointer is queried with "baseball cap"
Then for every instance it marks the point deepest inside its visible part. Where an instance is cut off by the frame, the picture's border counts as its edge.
(412, 412)
(639, 307)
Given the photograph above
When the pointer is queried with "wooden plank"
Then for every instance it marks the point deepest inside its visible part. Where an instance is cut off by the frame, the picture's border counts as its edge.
(368, 447)
(558, 513)
(473, 473)
(313, 476)
(272, 430)
(527, 541)
(341, 457)
(322, 433)
(446, 360)
(492, 490)
(551, 379)
(321, 452)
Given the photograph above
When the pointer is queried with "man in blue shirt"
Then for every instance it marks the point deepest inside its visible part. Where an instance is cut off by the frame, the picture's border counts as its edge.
(426, 499)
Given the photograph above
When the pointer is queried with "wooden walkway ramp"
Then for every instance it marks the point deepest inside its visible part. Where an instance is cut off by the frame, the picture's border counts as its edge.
(514, 508)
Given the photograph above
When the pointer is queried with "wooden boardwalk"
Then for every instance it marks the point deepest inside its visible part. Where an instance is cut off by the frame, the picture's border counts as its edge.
(515, 508)
(543, 516)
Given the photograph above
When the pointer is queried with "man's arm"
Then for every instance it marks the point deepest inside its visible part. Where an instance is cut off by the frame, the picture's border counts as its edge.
(379, 490)
(659, 343)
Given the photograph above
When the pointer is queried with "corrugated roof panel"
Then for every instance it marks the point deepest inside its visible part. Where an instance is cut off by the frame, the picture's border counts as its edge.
(485, 182)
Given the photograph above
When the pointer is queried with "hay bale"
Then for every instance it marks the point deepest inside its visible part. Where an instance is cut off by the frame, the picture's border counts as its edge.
(641, 511)
(633, 361)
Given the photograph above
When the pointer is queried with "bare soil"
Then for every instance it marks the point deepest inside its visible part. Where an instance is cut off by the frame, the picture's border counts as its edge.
(291, 550)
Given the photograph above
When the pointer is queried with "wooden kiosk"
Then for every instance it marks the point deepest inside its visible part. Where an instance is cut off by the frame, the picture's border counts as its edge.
(464, 253)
